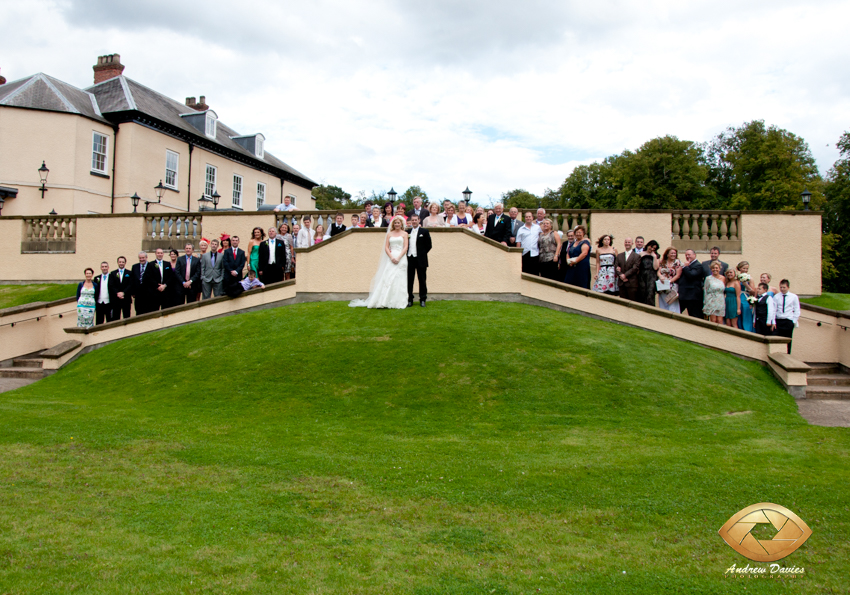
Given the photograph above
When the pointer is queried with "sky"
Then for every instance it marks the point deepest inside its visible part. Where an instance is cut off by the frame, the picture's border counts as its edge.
(492, 95)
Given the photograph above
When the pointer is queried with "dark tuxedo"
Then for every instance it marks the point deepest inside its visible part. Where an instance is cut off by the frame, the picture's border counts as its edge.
(336, 229)
(138, 289)
(120, 282)
(706, 267)
(151, 282)
(628, 267)
(418, 265)
(498, 228)
(690, 289)
(271, 273)
(102, 311)
(190, 294)
(421, 212)
(231, 262)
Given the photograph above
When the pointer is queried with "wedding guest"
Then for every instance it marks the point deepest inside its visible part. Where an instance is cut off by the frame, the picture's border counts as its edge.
(121, 283)
(171, 291)
(748, 290)
(526, 239)
(103, 307)
(86, 304)
(252, 250)
(388, 211)
(233, 263)
(435, 219)
(246, 284)
(399, 212)
(648, 273)
(578, 260)
(138, 290)
(541, 215)
(766, 278)
(338, 226)
(787, 311)
(286, 206)
(516, 223)
(283, 234)
(377, 220)
(639, 241)
(462, 219)
(211, 271)
(320, 234)
(367, 208)
(272, 259)
(549, 250)
(355, 221)
(715, 257)
(764, 311)
(469, 212)
(566, 246)
(606, 270)
(158, 276)
(627, 264)
(479, 224)
(498, 226)
(306, 236)
(296, 229)
(364, 218)
(188, 274)
(451, 219)
(670, 269)
(490, 213)
(446, 203)
(691, 285)
(733, 298)
(225, 244)
(714, 305)
(417, 209)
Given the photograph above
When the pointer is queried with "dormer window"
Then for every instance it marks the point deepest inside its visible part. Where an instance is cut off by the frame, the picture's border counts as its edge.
(259, 149)
(211, 120)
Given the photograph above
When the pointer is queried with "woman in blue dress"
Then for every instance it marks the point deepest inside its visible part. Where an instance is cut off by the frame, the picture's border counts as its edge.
(732, 292)
(578, 260)
(748, 288)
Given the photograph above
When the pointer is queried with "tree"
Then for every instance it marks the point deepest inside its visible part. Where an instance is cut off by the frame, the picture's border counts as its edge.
(590, 186)
(521, 199)
(329, 198)
(408, 195)
(836, 222)
(755, 167)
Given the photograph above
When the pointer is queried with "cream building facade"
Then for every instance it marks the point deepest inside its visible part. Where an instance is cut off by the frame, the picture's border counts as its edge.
(118, 138)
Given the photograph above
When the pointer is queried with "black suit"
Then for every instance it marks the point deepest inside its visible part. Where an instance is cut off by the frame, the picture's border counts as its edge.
(271, 273)
(690, 289)
(188, 294)
(231, 263)
(336, 229)
(152, 280)
(102, 311)
(139, 291)
(422, 213)
(384, 223)
(418, 265)
(120, 282)
(501, 231)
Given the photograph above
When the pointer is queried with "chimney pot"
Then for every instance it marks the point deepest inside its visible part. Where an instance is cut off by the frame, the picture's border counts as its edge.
(190, 101)
(107, 67)
(202, 104)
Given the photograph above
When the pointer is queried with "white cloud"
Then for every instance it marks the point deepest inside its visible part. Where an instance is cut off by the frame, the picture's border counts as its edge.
(368, 95)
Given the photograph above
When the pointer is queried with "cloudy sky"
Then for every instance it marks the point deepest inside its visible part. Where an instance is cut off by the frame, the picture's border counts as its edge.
(491, 94)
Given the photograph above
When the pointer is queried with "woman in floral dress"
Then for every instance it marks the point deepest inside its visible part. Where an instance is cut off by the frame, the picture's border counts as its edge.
(85, 301)
(549, 248)
(670, 269)
(714, 302)
(606, 275)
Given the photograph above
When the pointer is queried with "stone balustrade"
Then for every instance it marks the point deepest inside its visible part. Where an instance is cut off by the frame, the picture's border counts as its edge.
(702, 230)
(50, 234)
(172, 231)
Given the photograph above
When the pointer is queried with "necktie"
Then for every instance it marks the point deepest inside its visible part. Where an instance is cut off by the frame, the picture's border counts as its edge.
(142, 271)
(212, 258)
(188, 267)
(783, 303)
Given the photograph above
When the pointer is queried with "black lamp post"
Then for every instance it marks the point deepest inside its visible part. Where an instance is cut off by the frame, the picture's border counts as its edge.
(136, 199)
(160, 191)
(202, 202)
(806, 196)
(53, 212)
(392, 194)
(42, 175)
(215, 198)
(467, 195)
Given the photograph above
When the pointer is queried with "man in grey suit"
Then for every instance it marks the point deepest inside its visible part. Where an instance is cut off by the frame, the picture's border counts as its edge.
(211, 270)
(516, 223)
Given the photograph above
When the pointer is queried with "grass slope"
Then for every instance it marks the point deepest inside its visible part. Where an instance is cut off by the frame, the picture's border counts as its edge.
(834, 301)
(465, 448)
(18, 295)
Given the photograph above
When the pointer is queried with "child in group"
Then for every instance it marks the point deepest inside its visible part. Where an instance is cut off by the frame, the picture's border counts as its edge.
(764, 311)
(787, 311)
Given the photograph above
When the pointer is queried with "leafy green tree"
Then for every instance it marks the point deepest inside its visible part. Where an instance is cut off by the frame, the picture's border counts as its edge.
(763, 168)
(836, 222)
(590, 186)
(521, 199)
(408, 195)
(331, 197)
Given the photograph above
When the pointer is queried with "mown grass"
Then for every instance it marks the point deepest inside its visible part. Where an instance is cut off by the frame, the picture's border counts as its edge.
(464, 448)
(18, 295)
(833, 301)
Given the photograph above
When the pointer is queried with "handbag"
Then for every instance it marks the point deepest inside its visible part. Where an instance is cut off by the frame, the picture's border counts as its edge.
(671, 296)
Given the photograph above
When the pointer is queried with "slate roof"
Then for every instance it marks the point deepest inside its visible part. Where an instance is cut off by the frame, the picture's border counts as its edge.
(121, 94)
(43, 92)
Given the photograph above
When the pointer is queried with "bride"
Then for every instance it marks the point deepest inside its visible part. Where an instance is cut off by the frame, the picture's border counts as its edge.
(389, 285)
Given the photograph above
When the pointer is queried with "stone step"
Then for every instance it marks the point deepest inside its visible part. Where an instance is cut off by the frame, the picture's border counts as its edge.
(818, 369)
(828, 379)
(34, 373)
(27, 362)
(831, 393)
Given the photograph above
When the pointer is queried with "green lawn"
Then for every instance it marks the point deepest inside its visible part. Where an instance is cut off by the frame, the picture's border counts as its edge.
(18, 295)
(465, 448)
(834, 301)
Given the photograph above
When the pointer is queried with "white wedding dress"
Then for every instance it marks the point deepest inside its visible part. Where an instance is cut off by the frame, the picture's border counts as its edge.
(389, 285)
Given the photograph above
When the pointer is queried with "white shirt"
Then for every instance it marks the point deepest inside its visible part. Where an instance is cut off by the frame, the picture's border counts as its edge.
(103, 298)
(527, 238)
(787, 306)
(283, 207)
(306, 237)
(771, 309)
(271, 250)
(411, 246)
(480, 230)
(627, 253)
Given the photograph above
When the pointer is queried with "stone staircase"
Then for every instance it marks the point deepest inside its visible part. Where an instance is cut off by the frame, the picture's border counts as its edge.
(28, 366)
(827, 382)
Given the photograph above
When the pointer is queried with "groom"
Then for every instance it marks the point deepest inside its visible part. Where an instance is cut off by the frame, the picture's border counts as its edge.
(417, 260)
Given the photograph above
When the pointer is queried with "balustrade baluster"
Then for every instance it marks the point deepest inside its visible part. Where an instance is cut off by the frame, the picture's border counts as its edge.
(724, 226)
(713, 222)
(733, 227)
(676, 235)
(703, 232)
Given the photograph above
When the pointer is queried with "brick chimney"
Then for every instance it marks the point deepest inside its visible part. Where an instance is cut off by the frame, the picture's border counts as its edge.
(107, 67)
(2, 80)
(190, 102)
(202, 104)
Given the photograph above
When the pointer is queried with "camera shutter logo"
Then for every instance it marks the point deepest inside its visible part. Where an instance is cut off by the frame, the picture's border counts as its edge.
(791, 532)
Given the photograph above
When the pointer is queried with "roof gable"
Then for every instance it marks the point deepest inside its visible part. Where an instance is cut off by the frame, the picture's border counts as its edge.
(43, 92)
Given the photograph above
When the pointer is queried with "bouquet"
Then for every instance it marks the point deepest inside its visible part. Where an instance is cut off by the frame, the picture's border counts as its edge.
(752, 299)
(571, 261)
(745, 277)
